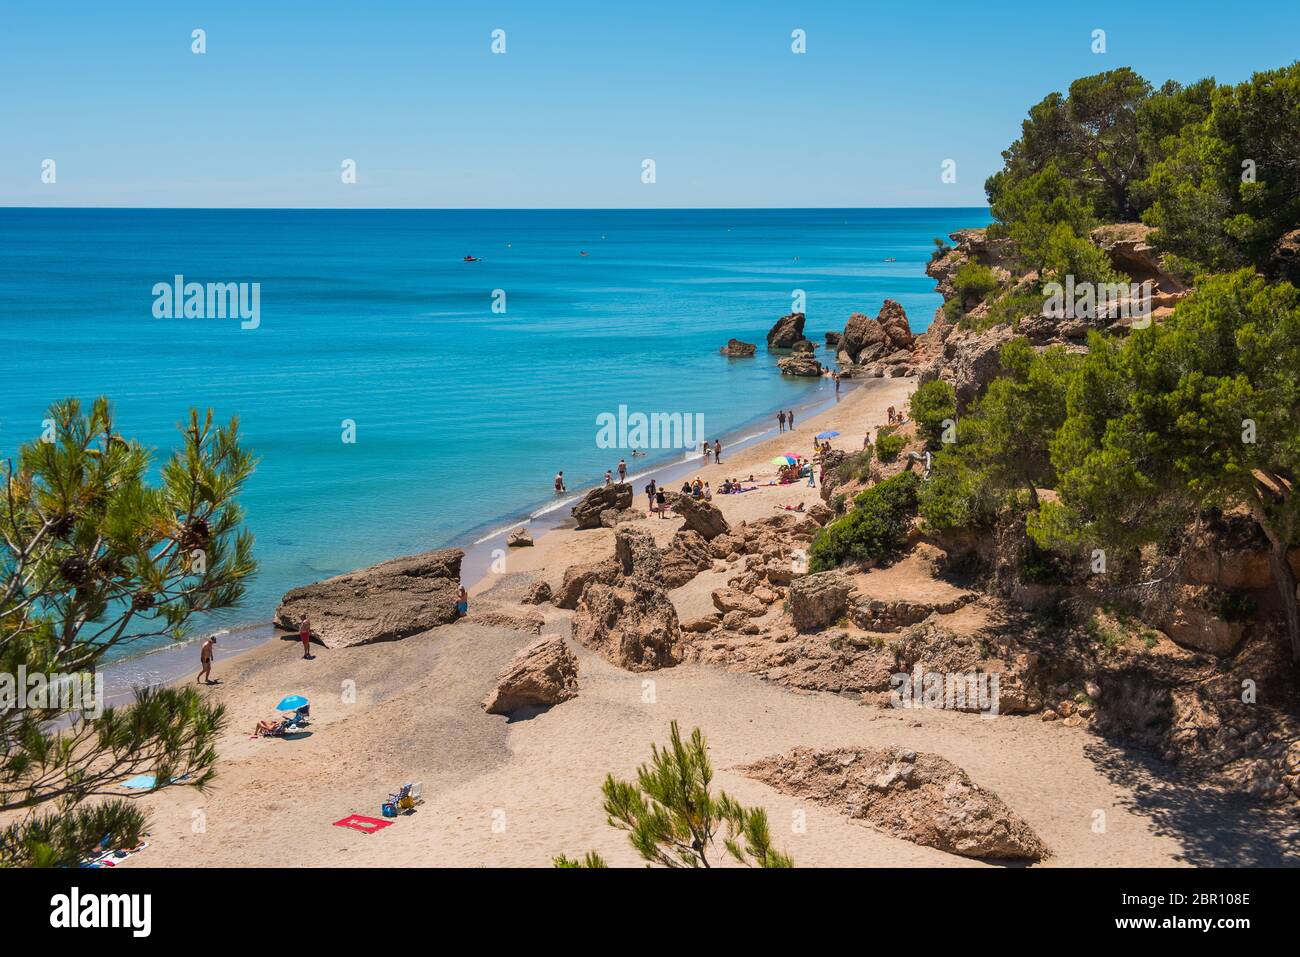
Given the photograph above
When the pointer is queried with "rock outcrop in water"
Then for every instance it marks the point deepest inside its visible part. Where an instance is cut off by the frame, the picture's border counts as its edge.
(786, 332)
(735, 349)
(386, 602)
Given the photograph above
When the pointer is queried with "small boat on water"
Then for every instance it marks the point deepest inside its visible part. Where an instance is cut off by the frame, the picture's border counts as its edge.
(471, 259)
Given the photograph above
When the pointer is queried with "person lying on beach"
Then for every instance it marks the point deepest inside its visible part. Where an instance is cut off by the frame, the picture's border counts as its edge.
(270, 729)
(791, 508)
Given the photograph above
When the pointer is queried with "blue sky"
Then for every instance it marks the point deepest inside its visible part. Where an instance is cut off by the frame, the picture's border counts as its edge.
(411, 91)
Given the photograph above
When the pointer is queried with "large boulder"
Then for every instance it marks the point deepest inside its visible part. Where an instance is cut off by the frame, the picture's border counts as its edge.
(539, 593)
(787, 331)
(386, 602)
(701, 516)
(735, 349)
(800, 364)
(544, 673)
(519, 538)
(817, 601)
(919, 797)
(634, 624)
(578, 577)
(637, 555)
(616, 496)
(866, 339)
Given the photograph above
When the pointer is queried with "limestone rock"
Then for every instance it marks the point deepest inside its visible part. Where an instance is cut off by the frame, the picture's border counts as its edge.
(819, 600)
(577, 577)
(539, 593)
(786, 332)
(519, 538)
(498, 618)
(701, 516)
(616, 496)
(634, 625)
(800, 364)
(685, 557)
(919, 797)
(735, 349)
(386, 602)
(544, 673)
(637, 555)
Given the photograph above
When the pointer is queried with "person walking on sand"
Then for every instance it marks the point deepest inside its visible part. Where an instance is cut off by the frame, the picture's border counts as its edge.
(650, 494)
(622, 471)
(559, 483)
(789, 418)
(205, 659)
(780, 419)
(304, 635)
(717, 452)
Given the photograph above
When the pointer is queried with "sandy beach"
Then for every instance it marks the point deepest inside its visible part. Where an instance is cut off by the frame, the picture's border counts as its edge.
(501, 792)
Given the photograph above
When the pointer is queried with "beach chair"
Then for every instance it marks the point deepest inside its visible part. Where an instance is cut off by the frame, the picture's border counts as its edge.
(407, 797)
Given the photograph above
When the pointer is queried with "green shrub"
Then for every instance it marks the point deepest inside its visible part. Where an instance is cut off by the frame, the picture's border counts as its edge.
(974, 282)
(888, 446)
(855, 468)
(876, 528)
(956, 496)
(930, 405)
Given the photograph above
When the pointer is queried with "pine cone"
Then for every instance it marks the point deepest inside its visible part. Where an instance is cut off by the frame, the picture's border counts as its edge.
(74, 569)
(142, 601)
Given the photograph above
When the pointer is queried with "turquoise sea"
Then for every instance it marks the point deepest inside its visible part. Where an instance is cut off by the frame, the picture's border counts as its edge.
(462, 414)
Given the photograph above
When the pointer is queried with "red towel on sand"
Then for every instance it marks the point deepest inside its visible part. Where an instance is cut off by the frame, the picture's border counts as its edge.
(359, 822)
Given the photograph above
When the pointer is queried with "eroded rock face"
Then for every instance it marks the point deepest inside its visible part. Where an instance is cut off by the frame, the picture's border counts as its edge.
(519, 538)
(544, 673)
(700, 516)
(817, 601)
(577, 577)
(786, 332)
(634, 624)
(919, 797)
(386, 602)
(973, 359)
(736, 349)
(685, 557)
(616, 496)
(637, 554)
(539, 593)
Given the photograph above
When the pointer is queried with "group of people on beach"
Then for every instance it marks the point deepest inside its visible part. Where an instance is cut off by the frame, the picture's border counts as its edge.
(785, 420)
(716, 449)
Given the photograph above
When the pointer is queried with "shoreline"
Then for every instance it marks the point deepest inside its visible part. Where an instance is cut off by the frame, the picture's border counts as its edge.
(168, 664)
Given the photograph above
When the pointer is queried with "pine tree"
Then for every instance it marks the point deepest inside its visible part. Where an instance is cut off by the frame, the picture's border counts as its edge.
(93, 557)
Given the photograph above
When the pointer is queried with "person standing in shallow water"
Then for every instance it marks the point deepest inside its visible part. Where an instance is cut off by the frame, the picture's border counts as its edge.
(780, 419)
(717, 451)
(789, 418)
(559, 483)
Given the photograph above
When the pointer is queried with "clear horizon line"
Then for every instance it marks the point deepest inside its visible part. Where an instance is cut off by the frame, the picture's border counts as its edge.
(579, 209)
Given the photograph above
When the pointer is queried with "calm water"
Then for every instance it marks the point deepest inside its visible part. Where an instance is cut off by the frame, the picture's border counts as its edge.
(463, 415)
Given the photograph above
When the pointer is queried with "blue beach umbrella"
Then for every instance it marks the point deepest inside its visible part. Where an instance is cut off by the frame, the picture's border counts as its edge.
(292, 703)
(827, 435)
